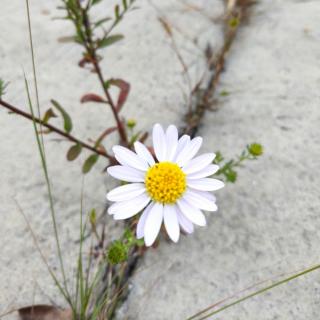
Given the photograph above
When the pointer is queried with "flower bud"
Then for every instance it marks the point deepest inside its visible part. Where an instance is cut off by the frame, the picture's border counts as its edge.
(131, 123)
(255, 149)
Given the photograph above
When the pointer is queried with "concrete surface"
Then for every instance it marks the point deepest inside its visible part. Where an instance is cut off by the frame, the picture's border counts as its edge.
(268, 221)
(145, 59)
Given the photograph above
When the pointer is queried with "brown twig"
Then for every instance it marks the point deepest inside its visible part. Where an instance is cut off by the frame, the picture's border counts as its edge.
(236, 11)
(54, 129)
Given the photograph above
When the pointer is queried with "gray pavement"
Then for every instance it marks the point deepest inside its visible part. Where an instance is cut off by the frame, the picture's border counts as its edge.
(268, 222)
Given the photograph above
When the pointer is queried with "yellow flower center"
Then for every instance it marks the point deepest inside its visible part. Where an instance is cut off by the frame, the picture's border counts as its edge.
(165, 182)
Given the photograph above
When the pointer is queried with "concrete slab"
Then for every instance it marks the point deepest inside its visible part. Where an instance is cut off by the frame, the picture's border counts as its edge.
(268, 222)
(145, 59)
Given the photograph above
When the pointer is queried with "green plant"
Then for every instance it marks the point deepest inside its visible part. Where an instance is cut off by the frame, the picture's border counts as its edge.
(228, 168)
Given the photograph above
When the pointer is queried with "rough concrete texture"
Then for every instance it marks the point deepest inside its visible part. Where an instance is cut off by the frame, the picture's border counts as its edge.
(268, 222)
(145, 59)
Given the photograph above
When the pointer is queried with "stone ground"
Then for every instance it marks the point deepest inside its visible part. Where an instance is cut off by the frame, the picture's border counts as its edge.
(268, 221)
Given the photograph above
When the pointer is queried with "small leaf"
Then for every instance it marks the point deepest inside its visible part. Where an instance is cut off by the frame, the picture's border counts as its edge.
(95, 2)
(74, 152)
(110, 40)
(44, 312)
(48, 115)
(3, 86)
(124, 91)
(224, 93)
(125, 5)
(219, 158)
(231, 175)
(92, 97)
(101, 21)
(103, 135)
(89, 163)
(117, 12)
(66, 118)
(93, 217)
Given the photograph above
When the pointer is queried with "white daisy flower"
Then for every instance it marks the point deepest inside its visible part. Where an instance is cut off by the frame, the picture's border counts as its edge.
(173, 188)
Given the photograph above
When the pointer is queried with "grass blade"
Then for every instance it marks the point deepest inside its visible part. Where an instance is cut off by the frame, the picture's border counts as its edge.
(200, 315)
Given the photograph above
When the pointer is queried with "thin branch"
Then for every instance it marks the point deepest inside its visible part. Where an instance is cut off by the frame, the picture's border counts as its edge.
(54, 129)
(236, 10)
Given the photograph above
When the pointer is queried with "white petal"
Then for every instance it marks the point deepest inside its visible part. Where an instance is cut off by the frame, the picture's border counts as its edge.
(153, 224)
(205, 184)
(128, 158)
(206, 194)
(126, 173)
(127, 209)
(198, 163)
(126, 192)
(189, 151)
(171, 222)
(143, 152)
(205, 172)
(185, 223)
(183, 141)
(197, 199)
(142, 221)
(172, 141)
(159, 142)
(192, 213)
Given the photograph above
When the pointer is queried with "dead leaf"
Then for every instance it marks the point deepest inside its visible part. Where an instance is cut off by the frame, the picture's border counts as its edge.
(44, 312)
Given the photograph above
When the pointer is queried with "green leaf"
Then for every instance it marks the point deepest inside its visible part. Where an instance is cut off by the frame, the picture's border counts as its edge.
(93, 217)
(66, 118)
(48, 115)
(117, 12)
(219, 158)
(224, 93)
(231, 175)
(3, 86)
(95, 2)
(74, 152)
(125, 5)
(101, 21)
(110, 40)
(89, 163)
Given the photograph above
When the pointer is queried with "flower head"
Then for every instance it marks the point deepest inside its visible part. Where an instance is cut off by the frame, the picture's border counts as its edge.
(173, 188)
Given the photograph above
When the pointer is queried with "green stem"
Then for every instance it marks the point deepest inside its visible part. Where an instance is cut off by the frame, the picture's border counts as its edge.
(52, 210)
